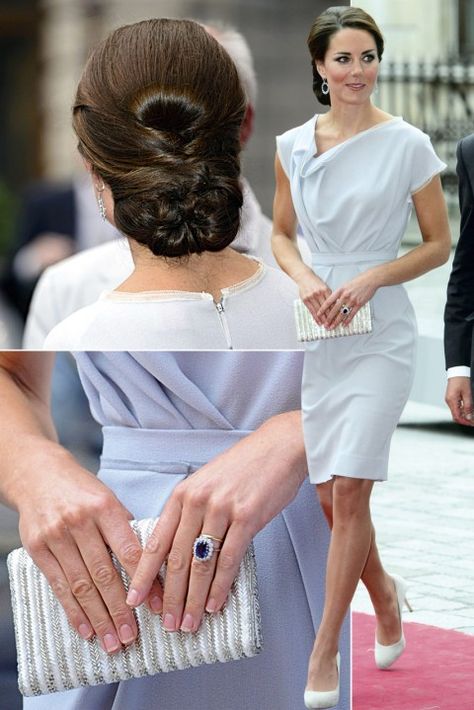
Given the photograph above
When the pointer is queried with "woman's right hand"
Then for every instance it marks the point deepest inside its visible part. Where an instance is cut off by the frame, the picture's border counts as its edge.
(313, 292)
(68, 520)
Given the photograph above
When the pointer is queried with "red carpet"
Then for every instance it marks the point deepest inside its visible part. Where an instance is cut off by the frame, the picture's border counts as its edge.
(436, 671)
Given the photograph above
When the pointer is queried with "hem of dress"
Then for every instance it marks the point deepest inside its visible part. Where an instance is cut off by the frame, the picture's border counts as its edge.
(370, 469)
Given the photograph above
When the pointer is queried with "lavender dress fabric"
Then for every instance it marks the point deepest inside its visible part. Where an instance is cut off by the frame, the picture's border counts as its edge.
(164, 415)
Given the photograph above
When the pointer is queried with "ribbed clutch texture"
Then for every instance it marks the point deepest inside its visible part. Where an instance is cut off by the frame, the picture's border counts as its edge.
(53, 657)
(307, 329)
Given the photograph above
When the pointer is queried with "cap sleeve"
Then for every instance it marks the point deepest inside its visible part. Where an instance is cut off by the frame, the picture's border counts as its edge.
(425, 164)
(284, 146)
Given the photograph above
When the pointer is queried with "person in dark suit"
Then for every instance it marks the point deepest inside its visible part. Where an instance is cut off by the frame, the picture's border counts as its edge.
(459, 311)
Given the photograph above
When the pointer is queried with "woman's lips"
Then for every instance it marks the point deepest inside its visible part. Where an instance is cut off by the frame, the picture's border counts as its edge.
(355, 86)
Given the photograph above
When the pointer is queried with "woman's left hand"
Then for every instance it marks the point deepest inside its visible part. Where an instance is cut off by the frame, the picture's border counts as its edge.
(354, 294)
(232, 497)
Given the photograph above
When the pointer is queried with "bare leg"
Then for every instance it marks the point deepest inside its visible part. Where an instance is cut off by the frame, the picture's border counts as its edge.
(378, 583)
(348, 552)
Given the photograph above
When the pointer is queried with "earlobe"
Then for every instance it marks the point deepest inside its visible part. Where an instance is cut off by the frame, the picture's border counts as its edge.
(320, 69)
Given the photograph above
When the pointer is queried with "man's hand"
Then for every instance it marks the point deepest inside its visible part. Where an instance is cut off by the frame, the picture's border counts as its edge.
(459, 400)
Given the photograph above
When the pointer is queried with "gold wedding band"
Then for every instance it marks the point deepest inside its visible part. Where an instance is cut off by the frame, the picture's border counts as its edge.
(218, 539)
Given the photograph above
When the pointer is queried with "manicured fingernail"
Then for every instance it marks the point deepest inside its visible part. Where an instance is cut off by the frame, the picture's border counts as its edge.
(188, 623)
(132, 597)
(156, 604)
(211, 606)
(169, 623)
(126, 634)
(85, 631)
(111, 643)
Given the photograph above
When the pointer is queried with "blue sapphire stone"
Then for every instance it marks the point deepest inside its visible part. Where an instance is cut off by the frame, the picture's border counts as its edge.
(202, 549)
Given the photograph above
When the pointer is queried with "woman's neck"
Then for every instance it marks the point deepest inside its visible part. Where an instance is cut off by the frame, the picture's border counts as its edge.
(209, 271)
(345, 120)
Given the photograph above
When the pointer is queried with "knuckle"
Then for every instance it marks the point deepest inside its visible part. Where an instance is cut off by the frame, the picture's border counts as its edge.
(60, 587)
(102, 502)
(131, 554)
(74, 517)
(35, 544)
(120, 614)
(104, 575)
(198, 497)
(102, 626)
(179, 490)
(82, 588)
(243, 514)
(55, 530)
(74, 617)
(219, 589)
(227, 560)
(172, 601)
(153, 544)
(176, 560)
(201, 569)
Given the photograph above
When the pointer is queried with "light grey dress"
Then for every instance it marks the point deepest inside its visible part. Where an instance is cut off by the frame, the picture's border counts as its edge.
(164, 415)
(353, 203)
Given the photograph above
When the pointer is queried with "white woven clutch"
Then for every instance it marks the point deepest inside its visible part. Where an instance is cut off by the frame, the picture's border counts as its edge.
(307, 329)
(53, 657)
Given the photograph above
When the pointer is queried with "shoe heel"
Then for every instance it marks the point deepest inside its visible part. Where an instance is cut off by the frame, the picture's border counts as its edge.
(408, 605)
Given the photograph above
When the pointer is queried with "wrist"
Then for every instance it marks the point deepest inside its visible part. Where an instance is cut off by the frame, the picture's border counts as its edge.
(300, 272)
(287, 429)
(38, 457)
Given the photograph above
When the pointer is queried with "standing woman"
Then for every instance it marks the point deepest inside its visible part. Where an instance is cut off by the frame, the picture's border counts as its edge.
(350, 177)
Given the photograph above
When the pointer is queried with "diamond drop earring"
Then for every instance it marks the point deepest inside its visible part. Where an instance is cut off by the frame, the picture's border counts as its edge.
(100, 201)
(325, 87)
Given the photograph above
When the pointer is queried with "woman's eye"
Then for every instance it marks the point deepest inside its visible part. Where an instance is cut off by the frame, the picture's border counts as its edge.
(342, 60)
(369, 57)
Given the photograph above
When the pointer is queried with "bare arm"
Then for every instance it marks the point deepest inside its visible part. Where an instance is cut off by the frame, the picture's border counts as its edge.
(313, 290)
(67, 516)
(432, 218)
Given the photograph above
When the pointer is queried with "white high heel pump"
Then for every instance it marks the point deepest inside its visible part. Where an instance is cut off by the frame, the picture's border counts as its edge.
(324, 698)
(385, 656)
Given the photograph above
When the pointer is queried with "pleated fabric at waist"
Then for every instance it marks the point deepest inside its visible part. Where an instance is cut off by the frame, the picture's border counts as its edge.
(173, 445)
(360, 257)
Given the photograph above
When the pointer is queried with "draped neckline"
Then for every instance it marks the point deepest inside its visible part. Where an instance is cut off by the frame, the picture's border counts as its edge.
(346, 141)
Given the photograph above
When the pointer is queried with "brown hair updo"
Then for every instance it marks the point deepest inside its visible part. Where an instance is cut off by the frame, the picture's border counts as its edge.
(157, 114)
(325, 26)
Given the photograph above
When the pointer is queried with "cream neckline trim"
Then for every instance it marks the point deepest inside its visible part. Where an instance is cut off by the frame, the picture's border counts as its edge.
(179, 295)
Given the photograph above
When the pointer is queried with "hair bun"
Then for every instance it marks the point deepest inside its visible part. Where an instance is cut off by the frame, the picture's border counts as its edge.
(186, 214)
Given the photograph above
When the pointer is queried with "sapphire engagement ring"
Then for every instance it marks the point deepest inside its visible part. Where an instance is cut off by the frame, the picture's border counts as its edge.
(204, 547)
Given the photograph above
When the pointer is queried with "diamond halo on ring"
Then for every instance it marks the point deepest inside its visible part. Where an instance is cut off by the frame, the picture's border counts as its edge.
(345, 309)
(204, 548)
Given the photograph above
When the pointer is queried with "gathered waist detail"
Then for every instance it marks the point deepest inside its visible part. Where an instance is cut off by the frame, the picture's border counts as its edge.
(173, 445)
(360, 257)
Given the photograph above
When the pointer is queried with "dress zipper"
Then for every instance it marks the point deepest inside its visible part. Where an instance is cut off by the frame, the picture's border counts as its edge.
(220, 310)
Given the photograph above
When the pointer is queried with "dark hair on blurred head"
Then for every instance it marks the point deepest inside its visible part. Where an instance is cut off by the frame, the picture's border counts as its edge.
(325, 26)
(157, 114)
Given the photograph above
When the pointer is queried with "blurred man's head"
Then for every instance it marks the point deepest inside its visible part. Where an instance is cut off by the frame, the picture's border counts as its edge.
(238, 49)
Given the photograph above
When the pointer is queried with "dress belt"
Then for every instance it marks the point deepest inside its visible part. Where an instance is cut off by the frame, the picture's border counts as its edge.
(174, 445)
(330, 259)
